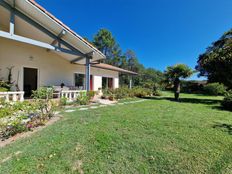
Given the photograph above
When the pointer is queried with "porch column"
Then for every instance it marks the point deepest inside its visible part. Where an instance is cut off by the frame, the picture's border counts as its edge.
(130, 79)
(87, 74)
(12, 21)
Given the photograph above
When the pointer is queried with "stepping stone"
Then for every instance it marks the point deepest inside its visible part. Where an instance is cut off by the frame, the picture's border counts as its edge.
(68, 111)
(102, 105)
(121, 103)
(93, 107)
(56, 113)
(83, 109)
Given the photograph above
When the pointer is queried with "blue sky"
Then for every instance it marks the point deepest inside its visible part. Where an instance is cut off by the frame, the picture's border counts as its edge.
(161, 32)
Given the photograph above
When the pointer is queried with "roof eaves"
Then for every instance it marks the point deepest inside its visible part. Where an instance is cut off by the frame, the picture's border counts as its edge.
(64, 26)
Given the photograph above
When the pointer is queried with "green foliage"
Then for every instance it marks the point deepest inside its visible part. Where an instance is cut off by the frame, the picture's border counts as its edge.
(124, 92)
(214, 89)
(4, 86)
(43, 93)
(83, 99)
(106, 43)
(21, 116)
(195, 87)
(154, 136)
(3, 89)
(91, 94)
(180, 71)
(227, 102)
(173, 75)
(141, 92)
(63, 101)
(216, 62)
(15, 127)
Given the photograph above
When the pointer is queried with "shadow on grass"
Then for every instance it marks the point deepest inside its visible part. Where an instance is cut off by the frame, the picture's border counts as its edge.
(188, 100)
(225, 127)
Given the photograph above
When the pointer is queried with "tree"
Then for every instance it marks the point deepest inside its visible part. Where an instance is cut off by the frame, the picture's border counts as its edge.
(105, 42)
(216, 62)
(175, 73)
(131, 64)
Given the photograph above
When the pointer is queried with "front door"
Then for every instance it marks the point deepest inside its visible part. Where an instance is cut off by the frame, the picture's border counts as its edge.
(30, 80)
(91, 83)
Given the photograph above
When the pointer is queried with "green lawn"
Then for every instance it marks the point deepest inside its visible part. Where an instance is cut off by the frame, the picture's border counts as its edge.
(153, 136)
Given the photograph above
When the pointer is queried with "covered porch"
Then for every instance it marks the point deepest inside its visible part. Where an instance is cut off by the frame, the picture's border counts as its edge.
(41, 49)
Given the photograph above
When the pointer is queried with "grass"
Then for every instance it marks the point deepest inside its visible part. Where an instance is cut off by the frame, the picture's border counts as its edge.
(154, 136)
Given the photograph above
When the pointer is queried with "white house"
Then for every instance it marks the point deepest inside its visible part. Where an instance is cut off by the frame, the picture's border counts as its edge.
(45, 52)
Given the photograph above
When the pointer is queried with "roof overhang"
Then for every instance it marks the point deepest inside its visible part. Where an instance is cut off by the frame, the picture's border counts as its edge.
(39, 17)
(114, 68)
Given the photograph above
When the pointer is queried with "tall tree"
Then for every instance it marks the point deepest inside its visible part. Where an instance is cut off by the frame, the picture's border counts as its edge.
(175, 73)
(106, 43)
(133, 63)
(216, 62)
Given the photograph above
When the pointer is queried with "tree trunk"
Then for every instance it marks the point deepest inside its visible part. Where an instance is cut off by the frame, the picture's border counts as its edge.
(177, 88)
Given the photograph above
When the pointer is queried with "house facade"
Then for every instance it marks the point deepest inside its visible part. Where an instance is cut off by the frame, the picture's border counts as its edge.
(42, 51)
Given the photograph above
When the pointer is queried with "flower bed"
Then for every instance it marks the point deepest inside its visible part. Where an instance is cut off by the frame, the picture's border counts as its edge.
(18, 117)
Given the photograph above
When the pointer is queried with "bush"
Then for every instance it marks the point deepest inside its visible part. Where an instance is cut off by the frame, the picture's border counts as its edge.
(215, 89)
(43, 93)
(227, 102)
(192, 87)
(15, 117)
(122, 93)
(5, 85)
(142, 92)
(63, 101)
(83, 99)
(22, 116)
(91, 94)
(3, 89)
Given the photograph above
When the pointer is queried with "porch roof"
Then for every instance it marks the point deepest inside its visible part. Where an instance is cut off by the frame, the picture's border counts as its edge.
(42, 17)
(113, 68)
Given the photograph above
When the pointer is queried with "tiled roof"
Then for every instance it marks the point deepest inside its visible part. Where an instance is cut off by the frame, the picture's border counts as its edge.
(113, 68)
(33, 2)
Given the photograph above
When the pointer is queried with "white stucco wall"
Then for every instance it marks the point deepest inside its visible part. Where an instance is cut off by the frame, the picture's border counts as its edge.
(52, 68)
(97, 82)
(116, 82)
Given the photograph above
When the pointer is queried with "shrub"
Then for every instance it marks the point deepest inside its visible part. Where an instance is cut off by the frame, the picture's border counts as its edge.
(63, 101)
(43, 93)
(192, 87)
(13, 117)
(83, 99)
(5, 85)
(3, 89)
(122, 93)
(91, 94)
(142, 92)
(227, 102)
(22, 116)
(215, 89)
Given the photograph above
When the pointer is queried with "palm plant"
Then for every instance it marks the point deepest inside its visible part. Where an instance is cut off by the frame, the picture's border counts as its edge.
(175, 73)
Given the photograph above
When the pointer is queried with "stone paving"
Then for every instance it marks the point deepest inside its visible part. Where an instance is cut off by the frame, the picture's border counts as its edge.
(103, 105)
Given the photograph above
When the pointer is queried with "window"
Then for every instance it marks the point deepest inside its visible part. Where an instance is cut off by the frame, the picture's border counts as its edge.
(104, 82)
(107, 83)
(79, 80)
